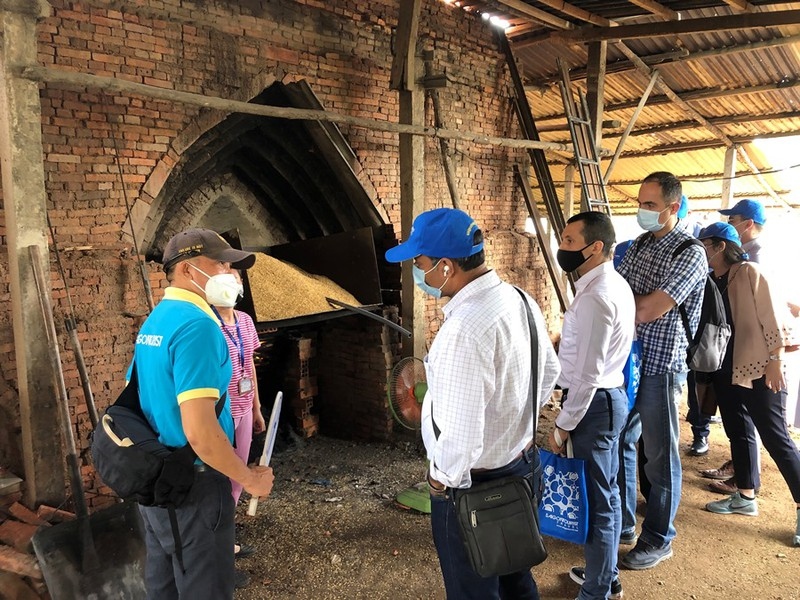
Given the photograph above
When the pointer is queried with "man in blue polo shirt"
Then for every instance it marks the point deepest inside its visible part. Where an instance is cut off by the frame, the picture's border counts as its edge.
(183, 369)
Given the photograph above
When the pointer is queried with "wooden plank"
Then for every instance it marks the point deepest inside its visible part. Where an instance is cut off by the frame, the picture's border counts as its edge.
(656, 8)
(666, 58)
(536, 13)
(402, 77)
(576, 12)
(631, 123)
(728, 175)
(688, 26)
(595, 87)
(741, 5)
(24, 204)
(412, 181)
(544, 243)
(75, 80)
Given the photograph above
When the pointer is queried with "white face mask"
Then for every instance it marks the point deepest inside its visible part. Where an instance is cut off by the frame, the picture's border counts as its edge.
(648, 219)
(222, 289)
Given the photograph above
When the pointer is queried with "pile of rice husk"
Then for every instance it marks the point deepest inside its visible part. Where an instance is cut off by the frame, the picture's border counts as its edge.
(282, 290)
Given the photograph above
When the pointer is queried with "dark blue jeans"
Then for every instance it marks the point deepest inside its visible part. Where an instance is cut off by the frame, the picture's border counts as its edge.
(596, 440)
(205, 522)
(655, 419)
(461, 582)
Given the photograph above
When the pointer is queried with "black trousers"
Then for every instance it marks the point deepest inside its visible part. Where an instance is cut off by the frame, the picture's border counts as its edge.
(743, 412)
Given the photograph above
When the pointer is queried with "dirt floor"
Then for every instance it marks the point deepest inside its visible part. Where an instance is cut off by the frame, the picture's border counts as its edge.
(331, 530)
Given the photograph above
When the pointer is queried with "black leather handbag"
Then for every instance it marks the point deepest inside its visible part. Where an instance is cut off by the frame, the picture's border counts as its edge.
(499, 519)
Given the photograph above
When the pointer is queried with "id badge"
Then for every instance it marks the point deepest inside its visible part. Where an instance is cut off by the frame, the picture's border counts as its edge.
(245, 385)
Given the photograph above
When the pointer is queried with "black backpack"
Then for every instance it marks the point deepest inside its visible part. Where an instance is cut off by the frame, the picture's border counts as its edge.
(707, 347)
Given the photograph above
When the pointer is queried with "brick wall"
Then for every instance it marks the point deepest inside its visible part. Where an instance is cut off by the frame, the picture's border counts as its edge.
(234, 50)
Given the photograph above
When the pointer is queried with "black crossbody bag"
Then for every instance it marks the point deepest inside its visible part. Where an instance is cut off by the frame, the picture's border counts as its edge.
(499, 519)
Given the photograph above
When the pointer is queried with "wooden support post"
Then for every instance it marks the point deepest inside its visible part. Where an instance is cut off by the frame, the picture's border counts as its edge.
(595, 85)
(412, 166)
(25, 205)
(728, 173)
(544, 239)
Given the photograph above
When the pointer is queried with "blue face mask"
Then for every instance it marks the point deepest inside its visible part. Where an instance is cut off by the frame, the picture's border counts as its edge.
(419, 279)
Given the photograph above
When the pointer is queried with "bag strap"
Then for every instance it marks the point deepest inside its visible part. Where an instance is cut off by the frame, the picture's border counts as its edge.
(534, 361)
(129, 398)
(682, 306)
(534, 369)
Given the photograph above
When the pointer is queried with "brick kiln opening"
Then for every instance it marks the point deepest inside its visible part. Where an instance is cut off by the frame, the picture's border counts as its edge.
(290, 189)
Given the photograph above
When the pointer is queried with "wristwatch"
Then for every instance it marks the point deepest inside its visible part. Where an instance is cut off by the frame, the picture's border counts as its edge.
(775, 357)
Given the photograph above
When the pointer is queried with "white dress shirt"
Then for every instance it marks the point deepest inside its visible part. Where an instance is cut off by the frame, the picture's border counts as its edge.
(479, 372)
(595, 341)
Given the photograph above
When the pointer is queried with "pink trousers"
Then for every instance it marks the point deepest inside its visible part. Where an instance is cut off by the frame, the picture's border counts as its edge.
(243, 434)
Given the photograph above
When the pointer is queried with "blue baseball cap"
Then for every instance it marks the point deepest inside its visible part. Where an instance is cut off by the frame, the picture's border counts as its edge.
(684, 207)
(748, 209)
(441, 233)
(724, 231)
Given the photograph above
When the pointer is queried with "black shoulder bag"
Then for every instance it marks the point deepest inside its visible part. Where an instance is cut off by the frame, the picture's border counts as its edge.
(130, 459)
(499, 519)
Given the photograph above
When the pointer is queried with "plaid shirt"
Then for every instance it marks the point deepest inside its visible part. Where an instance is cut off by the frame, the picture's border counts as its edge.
(648, 266)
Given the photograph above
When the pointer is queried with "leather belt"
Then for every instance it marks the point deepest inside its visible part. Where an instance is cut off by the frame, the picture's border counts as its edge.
(516, 458)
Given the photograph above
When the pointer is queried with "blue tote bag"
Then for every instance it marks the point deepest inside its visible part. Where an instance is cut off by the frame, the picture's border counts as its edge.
(633, 372)
(564, 509)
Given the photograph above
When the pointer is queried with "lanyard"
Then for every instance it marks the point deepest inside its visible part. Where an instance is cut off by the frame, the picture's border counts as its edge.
(240, 345)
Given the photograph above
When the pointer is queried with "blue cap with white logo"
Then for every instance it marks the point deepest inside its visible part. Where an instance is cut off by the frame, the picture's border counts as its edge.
(440, 233)
(723, 231)
(748, 209)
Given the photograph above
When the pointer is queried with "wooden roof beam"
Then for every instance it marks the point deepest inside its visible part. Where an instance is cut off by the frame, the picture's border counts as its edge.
(577, 13)
(691, 111)
(536, 14)
(657, 9)
(740, 5)
(695, 95)
(666, 58)
(688, 26)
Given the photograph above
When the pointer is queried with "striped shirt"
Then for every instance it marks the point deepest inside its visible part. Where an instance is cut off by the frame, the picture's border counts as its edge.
(649, 266)
(479, 373)
(241, 404)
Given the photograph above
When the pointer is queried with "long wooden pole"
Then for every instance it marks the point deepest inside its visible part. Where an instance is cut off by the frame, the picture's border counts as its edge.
(85, 80)
(631, 123)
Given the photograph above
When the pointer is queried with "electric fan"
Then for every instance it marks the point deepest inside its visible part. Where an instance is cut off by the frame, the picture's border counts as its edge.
(406, 389)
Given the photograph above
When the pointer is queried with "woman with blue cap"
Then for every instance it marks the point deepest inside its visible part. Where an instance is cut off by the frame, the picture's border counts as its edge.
(750, 387)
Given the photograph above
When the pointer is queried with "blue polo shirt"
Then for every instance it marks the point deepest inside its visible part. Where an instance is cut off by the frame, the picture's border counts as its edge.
(180, 355)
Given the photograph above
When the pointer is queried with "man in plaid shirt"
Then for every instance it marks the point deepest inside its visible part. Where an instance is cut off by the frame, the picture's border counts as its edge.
(660, 283)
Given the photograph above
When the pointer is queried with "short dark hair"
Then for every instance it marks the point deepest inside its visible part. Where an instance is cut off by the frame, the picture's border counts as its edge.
(469, 262)
(596, 226)
(732, 254)
(671, 187)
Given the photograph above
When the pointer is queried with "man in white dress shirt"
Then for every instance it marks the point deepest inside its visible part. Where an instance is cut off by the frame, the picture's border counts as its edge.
(478, 416)
(595, 343)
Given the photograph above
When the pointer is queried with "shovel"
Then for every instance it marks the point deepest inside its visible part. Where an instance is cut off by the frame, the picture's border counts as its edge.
(98, 556)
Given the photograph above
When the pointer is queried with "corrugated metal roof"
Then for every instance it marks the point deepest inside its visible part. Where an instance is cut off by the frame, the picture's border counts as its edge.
(666, 136)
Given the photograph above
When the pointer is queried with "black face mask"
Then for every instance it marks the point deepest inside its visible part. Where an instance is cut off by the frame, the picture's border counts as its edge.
(570, 260)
